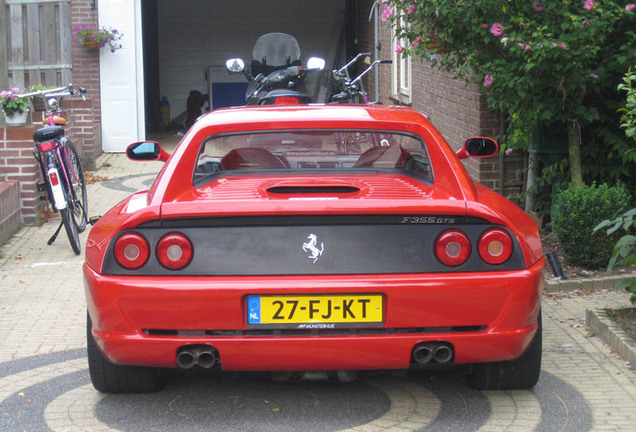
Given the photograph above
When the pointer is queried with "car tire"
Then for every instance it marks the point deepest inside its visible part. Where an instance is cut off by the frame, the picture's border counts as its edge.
(109, 378)
(522, 373)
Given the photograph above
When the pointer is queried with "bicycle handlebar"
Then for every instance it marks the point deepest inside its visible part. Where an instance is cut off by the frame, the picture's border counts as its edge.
(366, 71)
(56, 92)
(352, 61)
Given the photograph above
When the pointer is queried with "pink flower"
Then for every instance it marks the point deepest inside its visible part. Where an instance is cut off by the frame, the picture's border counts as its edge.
(538, 6)
(488, 80)
(593, 76)
(630, 7)
(588, 5)
(562, 46)
(399, 48)
(509, 151)
(527, 47)
(388, 12)
(497, 29)
(4, 93)
(15, 90)
(484, 26)
(416, 41)
(586, 23)
(411, 9)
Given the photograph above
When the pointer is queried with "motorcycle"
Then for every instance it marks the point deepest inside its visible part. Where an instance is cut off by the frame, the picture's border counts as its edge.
(275, 75)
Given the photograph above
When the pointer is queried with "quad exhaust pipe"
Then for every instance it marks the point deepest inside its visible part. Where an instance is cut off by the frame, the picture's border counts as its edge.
(433, 352)
(204, 356)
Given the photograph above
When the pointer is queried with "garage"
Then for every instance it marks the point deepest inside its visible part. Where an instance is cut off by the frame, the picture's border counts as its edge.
(181, 46)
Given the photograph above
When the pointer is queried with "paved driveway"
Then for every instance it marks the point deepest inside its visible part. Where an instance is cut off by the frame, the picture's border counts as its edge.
(44, 383)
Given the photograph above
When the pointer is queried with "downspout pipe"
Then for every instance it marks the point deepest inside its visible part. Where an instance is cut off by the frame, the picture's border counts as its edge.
(373, 15)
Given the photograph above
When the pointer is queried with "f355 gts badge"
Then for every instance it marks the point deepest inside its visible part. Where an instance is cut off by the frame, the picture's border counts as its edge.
(311, 247)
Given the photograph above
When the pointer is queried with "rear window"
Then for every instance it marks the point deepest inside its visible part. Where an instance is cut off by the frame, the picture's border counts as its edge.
(306, 151)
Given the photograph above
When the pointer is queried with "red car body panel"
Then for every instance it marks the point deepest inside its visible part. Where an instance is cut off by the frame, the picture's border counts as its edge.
(128, 305)
(504, 305)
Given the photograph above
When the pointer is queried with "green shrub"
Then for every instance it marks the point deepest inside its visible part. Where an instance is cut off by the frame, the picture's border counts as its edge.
(575, 213)
(625, 249)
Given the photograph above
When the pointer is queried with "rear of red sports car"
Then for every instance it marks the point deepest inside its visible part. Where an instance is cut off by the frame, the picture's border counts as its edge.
(313, 239)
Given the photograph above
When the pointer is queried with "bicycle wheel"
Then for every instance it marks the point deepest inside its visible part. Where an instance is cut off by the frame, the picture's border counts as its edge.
(68, 219)
(79, 199)
(68, 214)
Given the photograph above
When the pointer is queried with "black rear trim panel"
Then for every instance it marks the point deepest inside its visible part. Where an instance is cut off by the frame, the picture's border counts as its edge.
(314, 245)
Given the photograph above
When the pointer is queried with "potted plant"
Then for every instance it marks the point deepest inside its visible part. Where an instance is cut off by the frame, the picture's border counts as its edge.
(97, 37)
(15, 109)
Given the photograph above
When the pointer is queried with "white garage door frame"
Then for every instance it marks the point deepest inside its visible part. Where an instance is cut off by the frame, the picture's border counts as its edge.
(121, 77)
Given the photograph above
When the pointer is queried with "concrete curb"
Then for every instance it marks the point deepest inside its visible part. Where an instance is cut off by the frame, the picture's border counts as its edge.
(612, 334)
(600, 283)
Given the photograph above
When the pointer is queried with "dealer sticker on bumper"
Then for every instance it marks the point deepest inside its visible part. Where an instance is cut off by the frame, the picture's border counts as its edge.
(328, 311)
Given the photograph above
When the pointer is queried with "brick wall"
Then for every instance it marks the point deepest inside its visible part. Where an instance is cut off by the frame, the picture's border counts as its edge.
(86, 74)
(18, 165)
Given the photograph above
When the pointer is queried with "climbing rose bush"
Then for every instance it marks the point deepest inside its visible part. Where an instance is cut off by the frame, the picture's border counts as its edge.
(537, 61)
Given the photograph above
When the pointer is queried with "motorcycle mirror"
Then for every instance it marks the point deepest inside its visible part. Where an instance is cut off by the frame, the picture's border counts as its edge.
(235, 65)
(316, 63)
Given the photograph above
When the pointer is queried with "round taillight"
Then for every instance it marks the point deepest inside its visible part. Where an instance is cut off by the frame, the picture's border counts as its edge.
(495, 246)
(132, 250)
(174, 251)
(452, 248)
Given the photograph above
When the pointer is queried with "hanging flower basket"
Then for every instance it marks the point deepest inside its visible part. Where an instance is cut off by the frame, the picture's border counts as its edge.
(92, 44)
(97, 37)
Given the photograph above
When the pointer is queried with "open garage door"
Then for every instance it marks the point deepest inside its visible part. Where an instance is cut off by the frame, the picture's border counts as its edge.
(121, 77)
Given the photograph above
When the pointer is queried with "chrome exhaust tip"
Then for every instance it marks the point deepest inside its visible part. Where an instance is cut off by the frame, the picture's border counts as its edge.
(186, 359)
(204, 356)
(432, 352)
(422, 353)
(443, 354)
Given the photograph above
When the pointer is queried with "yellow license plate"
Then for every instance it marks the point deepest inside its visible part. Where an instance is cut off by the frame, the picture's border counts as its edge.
(328, 311)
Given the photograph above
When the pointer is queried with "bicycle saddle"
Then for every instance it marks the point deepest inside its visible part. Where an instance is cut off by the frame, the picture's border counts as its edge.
(48, 133)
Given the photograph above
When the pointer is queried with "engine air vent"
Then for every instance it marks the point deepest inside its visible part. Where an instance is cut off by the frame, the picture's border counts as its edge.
(313, 189)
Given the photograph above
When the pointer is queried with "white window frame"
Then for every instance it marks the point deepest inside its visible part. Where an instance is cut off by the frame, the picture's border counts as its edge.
(401, 71)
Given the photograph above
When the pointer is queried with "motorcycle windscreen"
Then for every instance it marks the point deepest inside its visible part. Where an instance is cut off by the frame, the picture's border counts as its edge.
(277, 49)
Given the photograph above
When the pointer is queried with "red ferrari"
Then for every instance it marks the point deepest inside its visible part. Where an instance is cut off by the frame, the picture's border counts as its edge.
(313, 238)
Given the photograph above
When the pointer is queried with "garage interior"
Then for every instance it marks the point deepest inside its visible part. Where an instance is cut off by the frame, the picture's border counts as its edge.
(187, 42)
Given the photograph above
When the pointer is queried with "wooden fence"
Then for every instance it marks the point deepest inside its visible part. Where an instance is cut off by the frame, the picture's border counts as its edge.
(37, 43)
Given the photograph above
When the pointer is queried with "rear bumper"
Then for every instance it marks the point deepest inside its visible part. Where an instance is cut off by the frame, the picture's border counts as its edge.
(485, 316)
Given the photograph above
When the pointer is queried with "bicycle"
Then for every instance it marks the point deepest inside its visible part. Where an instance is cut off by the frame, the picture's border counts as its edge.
(62, 173)
(352, 89)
